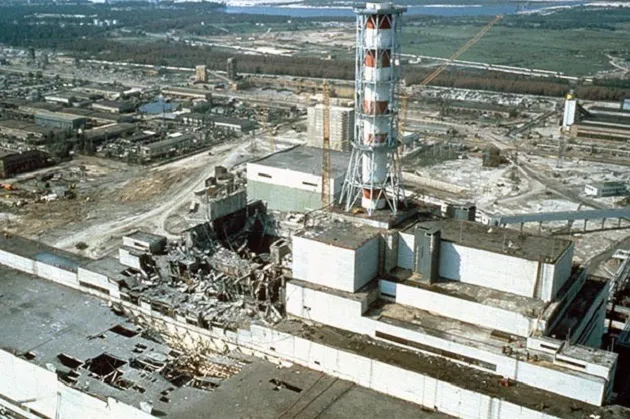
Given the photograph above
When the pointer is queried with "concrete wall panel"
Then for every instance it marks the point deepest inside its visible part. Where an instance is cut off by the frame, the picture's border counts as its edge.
(323, 264)
(58, 275)
(488, 269)
(127, 259)
(366, 263)
(287, 190)
(463, 310)
(17, 262)
(405, 250)
(325, 308)
(20, 380)
(588, 389)
(562, 271)
(96, 279)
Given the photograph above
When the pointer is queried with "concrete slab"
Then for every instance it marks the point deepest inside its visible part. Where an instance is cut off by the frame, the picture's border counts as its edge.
(301, 393)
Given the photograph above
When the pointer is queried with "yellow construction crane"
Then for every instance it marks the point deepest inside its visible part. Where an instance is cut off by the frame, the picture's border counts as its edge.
(460, 51)
(272, 132)
(326, 145)
(472, 41)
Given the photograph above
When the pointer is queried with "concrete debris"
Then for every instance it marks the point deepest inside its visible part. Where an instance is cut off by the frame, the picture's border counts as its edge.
(222, 283)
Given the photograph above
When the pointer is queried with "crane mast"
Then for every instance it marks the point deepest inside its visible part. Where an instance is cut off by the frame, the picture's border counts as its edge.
(402, 120)
(326, 145)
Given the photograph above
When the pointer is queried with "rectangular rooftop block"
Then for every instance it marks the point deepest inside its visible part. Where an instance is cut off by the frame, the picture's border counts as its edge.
(342, 256)
(501, 259)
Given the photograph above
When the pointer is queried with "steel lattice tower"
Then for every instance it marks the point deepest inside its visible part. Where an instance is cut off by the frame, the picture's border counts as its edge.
(373, 174)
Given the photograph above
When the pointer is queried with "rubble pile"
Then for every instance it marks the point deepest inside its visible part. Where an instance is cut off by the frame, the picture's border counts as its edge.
(211, 285)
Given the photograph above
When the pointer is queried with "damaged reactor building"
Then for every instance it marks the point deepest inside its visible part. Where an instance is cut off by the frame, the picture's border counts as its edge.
(377, 289)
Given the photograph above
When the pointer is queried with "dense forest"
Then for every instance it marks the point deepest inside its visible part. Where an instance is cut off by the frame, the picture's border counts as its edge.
(181, 55)
(59, 27)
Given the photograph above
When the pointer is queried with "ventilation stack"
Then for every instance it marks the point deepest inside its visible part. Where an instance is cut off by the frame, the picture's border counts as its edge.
(373, 175)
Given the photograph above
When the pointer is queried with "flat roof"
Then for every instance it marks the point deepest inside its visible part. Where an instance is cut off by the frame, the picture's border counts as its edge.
(304, 159)
(611, 184)
(219, 119)
(108, 266)
(46, 320)
(52, 107)
(145, 236)
(39, 251)
(114, 129)
(167, 142)
(60, 116)
(340, 234)
(617, 120)
(25, 126)
(110, 103)
(588, 354)
(497, 239)
(96, 114)
(253, 394)
(529, 307)
(65, 94)
(101, 87)
(442, 369)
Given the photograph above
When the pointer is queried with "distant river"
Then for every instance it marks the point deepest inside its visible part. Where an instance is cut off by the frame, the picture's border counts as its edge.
(435, 10)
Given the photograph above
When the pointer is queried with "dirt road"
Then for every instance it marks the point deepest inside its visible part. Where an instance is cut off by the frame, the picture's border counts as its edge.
(98, 235)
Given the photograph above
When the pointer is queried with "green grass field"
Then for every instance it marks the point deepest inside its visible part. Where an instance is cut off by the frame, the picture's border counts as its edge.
(578, 51)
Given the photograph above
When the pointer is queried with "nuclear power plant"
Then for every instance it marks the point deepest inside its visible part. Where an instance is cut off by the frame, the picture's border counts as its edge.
(304, 247)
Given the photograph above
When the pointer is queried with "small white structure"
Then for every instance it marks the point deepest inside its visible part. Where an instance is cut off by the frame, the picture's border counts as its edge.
(339, 257)
(145, 242)
(605, 189)
(570, 107)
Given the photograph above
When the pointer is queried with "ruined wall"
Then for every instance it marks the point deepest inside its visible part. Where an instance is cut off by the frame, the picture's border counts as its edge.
(226, 205)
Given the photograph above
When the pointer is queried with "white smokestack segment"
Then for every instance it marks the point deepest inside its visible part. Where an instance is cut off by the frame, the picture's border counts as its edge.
(372, 175)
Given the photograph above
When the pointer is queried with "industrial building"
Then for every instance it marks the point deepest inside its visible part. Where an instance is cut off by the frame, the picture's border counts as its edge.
(232, 125)
(232, 69)
(108, 92)
(596, 123)
(98, 135)
(291, 180)
(604, 189)
(24, 130)
(14, 163)
(58, 120)
(186, 92)
(68, 98)
(201, 74)
(113, 106)
(167, 147)
(341, 126)
(510, 305)
(367, 290)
